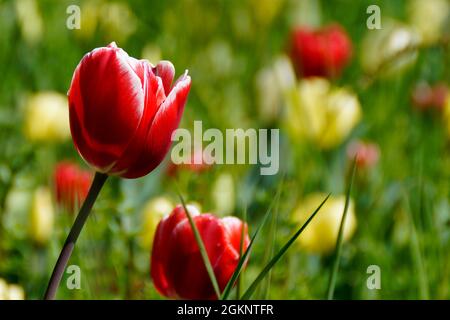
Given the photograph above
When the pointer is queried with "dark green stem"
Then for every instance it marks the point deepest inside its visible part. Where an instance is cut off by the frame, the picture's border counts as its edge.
(61, 263)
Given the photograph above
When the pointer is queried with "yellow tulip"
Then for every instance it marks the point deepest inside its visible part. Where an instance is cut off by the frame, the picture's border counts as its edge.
(42, 216)
(153, 211)
(266, 10)
(3, 290)
(30, 20)
(90, 14)
(320, 113)
(428, 18)
(447, 114)
(47, 117)
(321, 234)
(118, 21)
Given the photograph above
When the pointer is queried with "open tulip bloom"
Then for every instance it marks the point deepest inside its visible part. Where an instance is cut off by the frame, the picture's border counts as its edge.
(122, 114)
(123, 111)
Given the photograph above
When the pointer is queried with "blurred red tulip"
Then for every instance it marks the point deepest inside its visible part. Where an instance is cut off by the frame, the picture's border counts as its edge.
(202, 165)
(425, 97)
(323, 52)
(177, 268)
(367, 154)
(71, 184)
(123, 111)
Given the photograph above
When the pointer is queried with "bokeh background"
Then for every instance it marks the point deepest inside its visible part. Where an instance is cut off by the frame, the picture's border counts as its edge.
(390, 102)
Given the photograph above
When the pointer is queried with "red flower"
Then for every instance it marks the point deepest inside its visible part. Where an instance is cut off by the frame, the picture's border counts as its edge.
(367, 154)
(71, 184)
(322, 52)
(426, 97)
(203, 165)
(123, 111)
(177, 267)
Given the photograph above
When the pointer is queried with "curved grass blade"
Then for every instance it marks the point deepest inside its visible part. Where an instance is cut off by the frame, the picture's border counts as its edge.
(280, 253)
(241, 251)
(240, 265)
(202, 248)
(416, 253)
(333, 276)
(271, 248)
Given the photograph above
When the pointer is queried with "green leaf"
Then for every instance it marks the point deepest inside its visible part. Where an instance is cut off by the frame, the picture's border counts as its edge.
(202, 248)
(240, 265)
(270, 248)
(280, 253)
(241, 251)
(333, 276)
(417, 255)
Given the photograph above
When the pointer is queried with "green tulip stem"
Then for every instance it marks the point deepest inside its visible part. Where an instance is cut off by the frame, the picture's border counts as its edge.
(66, 252)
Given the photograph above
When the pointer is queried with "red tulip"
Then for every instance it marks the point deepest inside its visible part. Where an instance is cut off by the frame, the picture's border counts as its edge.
(203, 165)
(123, 111)
(177, 267)
(426, 97)
(367, 154)
(322, 53)
(71, 184)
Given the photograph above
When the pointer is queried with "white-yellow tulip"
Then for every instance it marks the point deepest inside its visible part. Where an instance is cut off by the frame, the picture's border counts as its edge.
(271, 84)
(389, 50)
(15, 292)
(11, 291)
(428, 18)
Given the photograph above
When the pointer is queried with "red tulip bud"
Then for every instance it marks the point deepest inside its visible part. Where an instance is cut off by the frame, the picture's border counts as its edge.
(322, 52)
(177, 268)
(123, 111)
(71, 184)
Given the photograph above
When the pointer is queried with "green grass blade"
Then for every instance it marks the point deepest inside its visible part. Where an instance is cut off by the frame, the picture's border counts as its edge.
(270, 249)
(241, 251)
(416, 253)
(333, 276)
(280, 253)
(202, 248)
(240, 265)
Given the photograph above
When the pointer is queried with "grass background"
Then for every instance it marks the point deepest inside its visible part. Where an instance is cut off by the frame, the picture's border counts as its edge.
(402, 206)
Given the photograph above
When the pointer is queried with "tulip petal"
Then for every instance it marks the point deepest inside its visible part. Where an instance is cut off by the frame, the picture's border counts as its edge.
(194, 282)
(177, 267)
(162, 248)
(102, 85)
(153, 88)
(234, 229)
(166, 71)
(158, 138)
